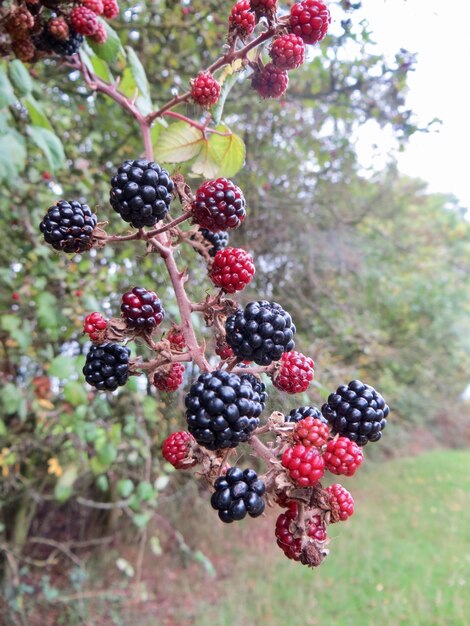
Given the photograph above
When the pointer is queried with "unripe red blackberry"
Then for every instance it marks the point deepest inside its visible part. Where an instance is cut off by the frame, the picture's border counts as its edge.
(343, 456)
(222, 410)
(341, 503)
(305, 465)
(218, 205)
(261, 332)
(270, 81)
(171, 379)
(83, 21)
(237, 493)
(264, 8)
(294, 373)
(94, 5)
(288, 52)
(242, 19)
(288, 534)
(357, 411)
(224, 351)
(58, 28)
(100, 35)
(110, 9)
(232, 269)
(24, 49)
(95, 326)
(68, 226)
(205, 89)
(310, 20)
(142, 309)
(19, 22)
(177, 450)
(176, 338)
(141, 192)
(311, 432)
(107, 366)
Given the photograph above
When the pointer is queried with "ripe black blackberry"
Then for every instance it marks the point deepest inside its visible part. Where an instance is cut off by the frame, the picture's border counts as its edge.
(222, 410)
(107, 366)
(357, 411)
(218, 240)
(67, 48)
(68, 226)
(305, 411)
(258, 387)
(261, 332)
(141, 192)
(237, 493)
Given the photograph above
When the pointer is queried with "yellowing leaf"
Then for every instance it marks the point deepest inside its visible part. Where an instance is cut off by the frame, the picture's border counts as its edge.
(178, 143)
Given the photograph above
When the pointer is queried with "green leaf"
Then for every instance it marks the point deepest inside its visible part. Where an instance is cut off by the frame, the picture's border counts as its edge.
(12, 156)
(109, 50)
(47, 311)
(75, 393)
(11, 398)
(36, 113)
(20, 77)
(179, 143)
(7, 95)
(101, 68)
(143, 102)
(145, 491)
(205, 165)
(64, 486)
(49, 144)
(107, 454)
(227, 151)
(62, 366)
(227, 85)
(125, 487)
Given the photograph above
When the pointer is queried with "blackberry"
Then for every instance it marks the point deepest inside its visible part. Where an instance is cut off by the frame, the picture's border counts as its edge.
(107, 366)
(258, 387)
(218, 205)
(142, 309)
(261, 332)
(305, 411)
(219, 240)
(237, 493)
(141, 192)
(222, 409)
(68, 226)
(66, 48)
(357, 411)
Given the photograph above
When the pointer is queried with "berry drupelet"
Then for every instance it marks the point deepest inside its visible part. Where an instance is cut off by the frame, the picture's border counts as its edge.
(68, 226)
(107, 366)
(219, 204)
(261, 332)
(141, 192)
(238, 493)
(222, 409)
(357, 411)
(142, 309)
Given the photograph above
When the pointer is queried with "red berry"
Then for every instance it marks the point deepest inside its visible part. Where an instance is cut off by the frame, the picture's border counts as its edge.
(311, 432)
(288, 52)
(310, 19)
(317, 529)
(15, 296)
(142, 309)
(46, 176)
(242, 19)
(305, 465)
(58, 28)
(94, 326)
(19, 22)
(176, 339)
(94, 5)
(169, 380)
(24, 49)
(232, 269)
(294, 373)
(78, 293)
(264, 8)
(110, 9)
(288, 534)
(224, 351)
(205, 90)
(218, 205)
(83, 21)
(343, 456)
(101, 34)
(270, 82)
(177, 450)
(341, 502)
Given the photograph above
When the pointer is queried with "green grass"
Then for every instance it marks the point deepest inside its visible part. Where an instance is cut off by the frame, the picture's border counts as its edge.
(404, 558)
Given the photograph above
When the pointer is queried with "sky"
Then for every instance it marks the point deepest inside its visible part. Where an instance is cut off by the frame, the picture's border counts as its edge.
(438, 31)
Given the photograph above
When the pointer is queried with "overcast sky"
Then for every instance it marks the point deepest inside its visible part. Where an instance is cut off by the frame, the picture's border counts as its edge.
(439, 32)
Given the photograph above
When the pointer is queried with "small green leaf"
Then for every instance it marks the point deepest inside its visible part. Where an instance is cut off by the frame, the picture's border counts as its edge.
(107, 453)
(205, 165)
(125, 487)
(109, 50)
(64, 486)
(145, 491)
(11, 398)
(179, 143)
(49, 144)
(143, 102)
(36, 113)
(75, 393)
(102, 483)
(12, 155)
(62, 366)
(7, 95)
(227, 151)
(20, 77)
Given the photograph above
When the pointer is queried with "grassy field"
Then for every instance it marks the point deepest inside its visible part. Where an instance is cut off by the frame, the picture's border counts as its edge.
(404, 558)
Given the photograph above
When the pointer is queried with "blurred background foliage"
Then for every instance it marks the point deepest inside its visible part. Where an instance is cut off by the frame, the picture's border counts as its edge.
(373, 268)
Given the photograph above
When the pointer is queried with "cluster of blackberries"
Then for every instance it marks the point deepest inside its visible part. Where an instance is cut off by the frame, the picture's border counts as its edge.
(35, 29)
